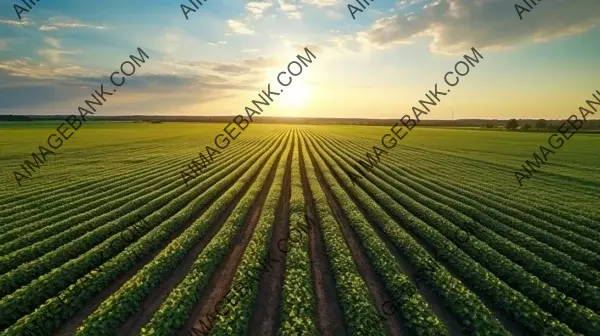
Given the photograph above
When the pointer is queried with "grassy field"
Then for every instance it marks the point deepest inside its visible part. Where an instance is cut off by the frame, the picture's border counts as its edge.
(276, 239)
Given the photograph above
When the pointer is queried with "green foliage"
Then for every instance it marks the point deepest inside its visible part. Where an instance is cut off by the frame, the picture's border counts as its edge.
(541, 124)
(25, 299)
(534, 255)
(298, 299)
(359, 312)
(124, 302)
(578, 317)
(512, 124)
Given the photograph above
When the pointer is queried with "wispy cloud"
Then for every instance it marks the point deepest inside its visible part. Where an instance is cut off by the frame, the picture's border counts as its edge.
(257, 9)
(24, 22)
(239, 27)
(26, 67)
(66, 23)
(53, 42)
(54, 55)
(322, 3)
(290, 10)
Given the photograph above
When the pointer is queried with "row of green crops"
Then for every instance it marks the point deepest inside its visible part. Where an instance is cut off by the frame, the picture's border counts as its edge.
(76, 245)
(460, 170)
(564, 308)
(438, 165)
(482, 213)
(526, 211)
(474, 316)
(37, 194)
(523, 310)
(107, 319)
(570, 285)
(74, 230)
(234, 321)
(578, 317)
(58, 207)
(118, 155)
(360, 315)
(107, 210)
(83, 206)
(53, 203)
(481, 201)
(53, 312)
(298, 298)
(415, 311)
(502, 211)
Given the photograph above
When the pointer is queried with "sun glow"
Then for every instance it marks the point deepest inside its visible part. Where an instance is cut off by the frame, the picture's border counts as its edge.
(296, 96)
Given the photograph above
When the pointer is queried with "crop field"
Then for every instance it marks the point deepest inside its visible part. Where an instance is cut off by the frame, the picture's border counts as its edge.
(282, 235)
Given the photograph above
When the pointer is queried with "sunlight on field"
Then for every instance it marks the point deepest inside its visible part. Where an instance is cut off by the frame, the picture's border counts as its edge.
(119, 210)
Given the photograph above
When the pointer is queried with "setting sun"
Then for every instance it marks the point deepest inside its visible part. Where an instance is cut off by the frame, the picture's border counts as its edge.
(295, 96)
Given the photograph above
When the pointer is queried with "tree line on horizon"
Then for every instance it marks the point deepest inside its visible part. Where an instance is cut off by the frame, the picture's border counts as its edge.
(544, 125)
(512, 124)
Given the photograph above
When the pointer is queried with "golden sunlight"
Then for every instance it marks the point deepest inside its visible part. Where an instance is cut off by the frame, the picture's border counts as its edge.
(296, 96)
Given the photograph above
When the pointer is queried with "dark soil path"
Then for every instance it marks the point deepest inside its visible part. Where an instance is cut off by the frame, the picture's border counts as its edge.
(365, 269)
(221, 280)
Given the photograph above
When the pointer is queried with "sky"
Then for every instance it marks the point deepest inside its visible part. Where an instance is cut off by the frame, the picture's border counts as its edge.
(378, 64)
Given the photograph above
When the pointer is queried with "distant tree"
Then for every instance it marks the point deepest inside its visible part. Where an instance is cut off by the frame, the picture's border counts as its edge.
(489, 126)
(551, 127)
(511, 124)
(541, 124)
(526, 127)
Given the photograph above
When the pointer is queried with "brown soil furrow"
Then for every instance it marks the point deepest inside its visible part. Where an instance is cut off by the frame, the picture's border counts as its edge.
(365, 269)
(330, 318)
(265, 315)
(507, 322)
(221, 280)
(158, 294)
(69, 327)
(436, 303)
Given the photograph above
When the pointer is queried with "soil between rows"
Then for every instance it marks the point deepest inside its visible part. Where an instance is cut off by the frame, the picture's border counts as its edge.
(265, 315)
(365, 269)
(435, 302)
(69, 327)
(330, 318)
(507, 322)
(221, 280)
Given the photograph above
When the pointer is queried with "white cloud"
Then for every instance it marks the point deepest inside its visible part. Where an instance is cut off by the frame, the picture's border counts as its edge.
(46, 28)
(321, 3)
(24, 22)
(59, 23)
(289, 9)
(239, 27)
(458, 25)
(257, 9)
(25, 67)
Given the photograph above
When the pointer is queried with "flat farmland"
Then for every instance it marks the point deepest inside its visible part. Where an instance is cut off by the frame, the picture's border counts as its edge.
(283, 235)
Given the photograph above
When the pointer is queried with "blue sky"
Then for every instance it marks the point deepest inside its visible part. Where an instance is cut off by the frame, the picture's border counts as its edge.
(376, 66)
